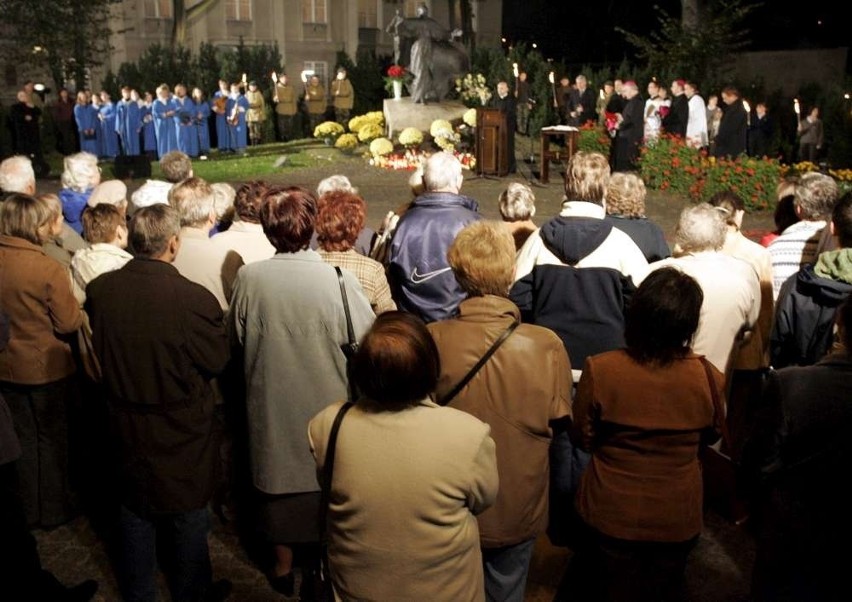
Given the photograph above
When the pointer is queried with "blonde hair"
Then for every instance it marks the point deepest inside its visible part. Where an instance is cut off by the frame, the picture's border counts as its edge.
(587, 177)
(194, 201)
(24, 216)
(517, 202)
(625, 195)
(81, 172)
(482, 258)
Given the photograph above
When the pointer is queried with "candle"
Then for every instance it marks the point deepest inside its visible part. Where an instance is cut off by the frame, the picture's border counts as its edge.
(747, 108)
(796, 105)
(515, 69)
(602, 94)
(274, 77)
(550, 78)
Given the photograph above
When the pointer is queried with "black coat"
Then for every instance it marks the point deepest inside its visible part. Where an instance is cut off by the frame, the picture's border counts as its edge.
(160, 339)
(587, 100)
(730, 140)
(629, 135)
(678, 116)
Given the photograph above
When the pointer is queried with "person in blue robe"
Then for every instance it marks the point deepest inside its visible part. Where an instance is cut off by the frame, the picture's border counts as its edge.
(128, 122)
(164, 110)
(88, 124)
(109, 137)
(149, 133)
(220, 107)
(202, 119)
(238, 104)
(187, 133)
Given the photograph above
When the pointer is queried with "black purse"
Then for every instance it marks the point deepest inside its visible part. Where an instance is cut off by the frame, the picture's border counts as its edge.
(350, 348)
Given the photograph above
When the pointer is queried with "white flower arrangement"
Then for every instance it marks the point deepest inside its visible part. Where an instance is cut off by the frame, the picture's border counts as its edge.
(439, 125)
(469, 118)
(381, 147)
(473, 89)
(446, 139)
(411, 137)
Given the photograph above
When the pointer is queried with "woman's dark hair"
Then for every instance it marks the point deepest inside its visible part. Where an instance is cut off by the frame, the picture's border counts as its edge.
(340, 218)
(287, 215)
(785, 213)
(249, 199)
(397, 363)
(663, 316)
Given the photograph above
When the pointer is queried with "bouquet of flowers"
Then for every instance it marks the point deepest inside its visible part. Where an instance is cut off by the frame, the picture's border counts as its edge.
(473, 90)
(411, 137)
(347, 143)
(611, 123)
(369, 132)
(328, 130)
(395, 73)
(381, 147)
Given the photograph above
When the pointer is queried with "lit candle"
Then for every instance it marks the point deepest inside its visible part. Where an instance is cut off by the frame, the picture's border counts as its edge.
(551, 78)
(747, 108)
(796, 106)
(274, 77)
(515, 70)
(602, 95)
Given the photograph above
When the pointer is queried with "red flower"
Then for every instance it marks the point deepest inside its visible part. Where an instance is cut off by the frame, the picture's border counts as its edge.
(396, 71)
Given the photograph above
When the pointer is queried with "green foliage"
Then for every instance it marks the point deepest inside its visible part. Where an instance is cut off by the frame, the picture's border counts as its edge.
(670, 165)
(594, 138)
(367, 80)
(700, 53)
(71, 35)
(257, 62)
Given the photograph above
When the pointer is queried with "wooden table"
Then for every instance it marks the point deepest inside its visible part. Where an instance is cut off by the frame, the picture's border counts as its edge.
(569, 134)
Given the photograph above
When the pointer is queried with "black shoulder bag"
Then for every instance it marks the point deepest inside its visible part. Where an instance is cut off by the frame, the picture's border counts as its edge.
(350, 348)
(442, 401)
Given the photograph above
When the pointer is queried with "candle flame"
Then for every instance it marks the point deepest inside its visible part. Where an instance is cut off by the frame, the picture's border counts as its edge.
(515, 69)
(551, 78)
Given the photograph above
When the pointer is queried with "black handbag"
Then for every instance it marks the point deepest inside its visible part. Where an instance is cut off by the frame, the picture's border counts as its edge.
(323, 589)
(350, 347)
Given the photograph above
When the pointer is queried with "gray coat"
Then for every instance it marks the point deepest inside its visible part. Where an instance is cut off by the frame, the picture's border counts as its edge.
(287, 314)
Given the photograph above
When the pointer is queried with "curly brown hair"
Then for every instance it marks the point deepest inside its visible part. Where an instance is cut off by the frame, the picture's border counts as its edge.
(340, 219)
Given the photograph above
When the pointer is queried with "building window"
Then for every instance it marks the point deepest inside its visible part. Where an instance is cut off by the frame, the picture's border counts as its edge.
(368, 14)
(319, 68)
(238, 10)
(314, 11)
(158, 9)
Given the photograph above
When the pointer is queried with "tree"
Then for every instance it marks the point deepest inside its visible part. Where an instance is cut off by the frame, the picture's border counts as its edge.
(68, 37)
(700, 45)
(182, 14)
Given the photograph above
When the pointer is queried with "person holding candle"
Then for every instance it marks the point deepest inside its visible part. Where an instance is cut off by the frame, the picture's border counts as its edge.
(810, 134)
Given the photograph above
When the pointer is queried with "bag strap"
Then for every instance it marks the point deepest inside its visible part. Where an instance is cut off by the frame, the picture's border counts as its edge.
(463, 382)
(328, 466)
(717, 404)
(350, 332)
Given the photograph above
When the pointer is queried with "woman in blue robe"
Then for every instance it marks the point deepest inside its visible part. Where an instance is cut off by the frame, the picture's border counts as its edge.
(128, 122)
(202, 119)
(88, 124)
(109, 146)
(220, 107)
(187, 134)
(149, 134)
(164, 110)
(238, 104)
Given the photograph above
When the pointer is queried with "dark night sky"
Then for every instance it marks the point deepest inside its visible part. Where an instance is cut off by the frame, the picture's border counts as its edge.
(584, 32)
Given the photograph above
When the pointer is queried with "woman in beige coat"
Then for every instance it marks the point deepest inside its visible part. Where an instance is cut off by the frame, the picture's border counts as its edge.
(409, 477)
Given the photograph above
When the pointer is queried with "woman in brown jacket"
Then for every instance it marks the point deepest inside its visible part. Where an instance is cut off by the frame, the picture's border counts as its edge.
(36, 366)
(642, 412)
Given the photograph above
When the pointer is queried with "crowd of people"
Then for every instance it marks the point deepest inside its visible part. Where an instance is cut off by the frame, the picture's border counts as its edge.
(508, 379)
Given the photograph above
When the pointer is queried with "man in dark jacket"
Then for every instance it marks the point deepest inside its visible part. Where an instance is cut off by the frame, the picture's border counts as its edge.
(760, 132)
(804, 318)
(506, 104)
(677, 118)
(628, 136)
(160, 339)
(581, 103)
(730, 140)
(420, 277)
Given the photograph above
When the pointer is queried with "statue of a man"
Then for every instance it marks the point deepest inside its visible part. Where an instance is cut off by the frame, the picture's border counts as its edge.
(426, 31)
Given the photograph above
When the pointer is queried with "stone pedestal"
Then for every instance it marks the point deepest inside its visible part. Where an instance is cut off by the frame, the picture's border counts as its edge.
(403, 113)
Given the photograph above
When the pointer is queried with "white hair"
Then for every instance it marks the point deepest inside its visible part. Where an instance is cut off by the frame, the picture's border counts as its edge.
(517, 202)
(335, 182)
(223, 197)
(81, 172)
(17, 175)
(700, 228)
(443, 171)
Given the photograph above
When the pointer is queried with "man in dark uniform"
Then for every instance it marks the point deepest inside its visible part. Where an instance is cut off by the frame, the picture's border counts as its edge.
(630, 130)
(522, 100)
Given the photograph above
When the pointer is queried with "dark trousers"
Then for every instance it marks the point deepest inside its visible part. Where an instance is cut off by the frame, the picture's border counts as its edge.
(285, 127)
(183, 544)
(506, 570)
(808, 152)
(40, 414)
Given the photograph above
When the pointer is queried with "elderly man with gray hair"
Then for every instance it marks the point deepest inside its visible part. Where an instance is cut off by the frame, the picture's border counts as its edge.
(199, 259)
(813, 200)
(421, 279)
(730, 285)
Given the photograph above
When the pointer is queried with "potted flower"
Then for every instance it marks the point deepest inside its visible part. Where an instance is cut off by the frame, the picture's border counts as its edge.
(411, 138)
(347, 143)
(393, 81)
(328, 131)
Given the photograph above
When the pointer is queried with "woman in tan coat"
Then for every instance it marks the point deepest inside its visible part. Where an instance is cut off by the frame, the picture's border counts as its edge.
(409, 477)
(37, 365)
(642, 413)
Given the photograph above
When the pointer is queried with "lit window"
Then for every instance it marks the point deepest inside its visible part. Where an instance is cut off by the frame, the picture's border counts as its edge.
(158, 9)
(314, 11)
(368, 12)
(238, 10)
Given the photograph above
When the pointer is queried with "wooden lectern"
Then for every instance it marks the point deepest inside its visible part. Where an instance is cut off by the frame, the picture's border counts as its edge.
(491, 142)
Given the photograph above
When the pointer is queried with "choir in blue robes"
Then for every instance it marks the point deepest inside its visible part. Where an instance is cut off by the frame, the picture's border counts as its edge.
(88, 126)
(237, 127)
(187, 132)
(128, 124)
(109, 145)
(164, 111)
